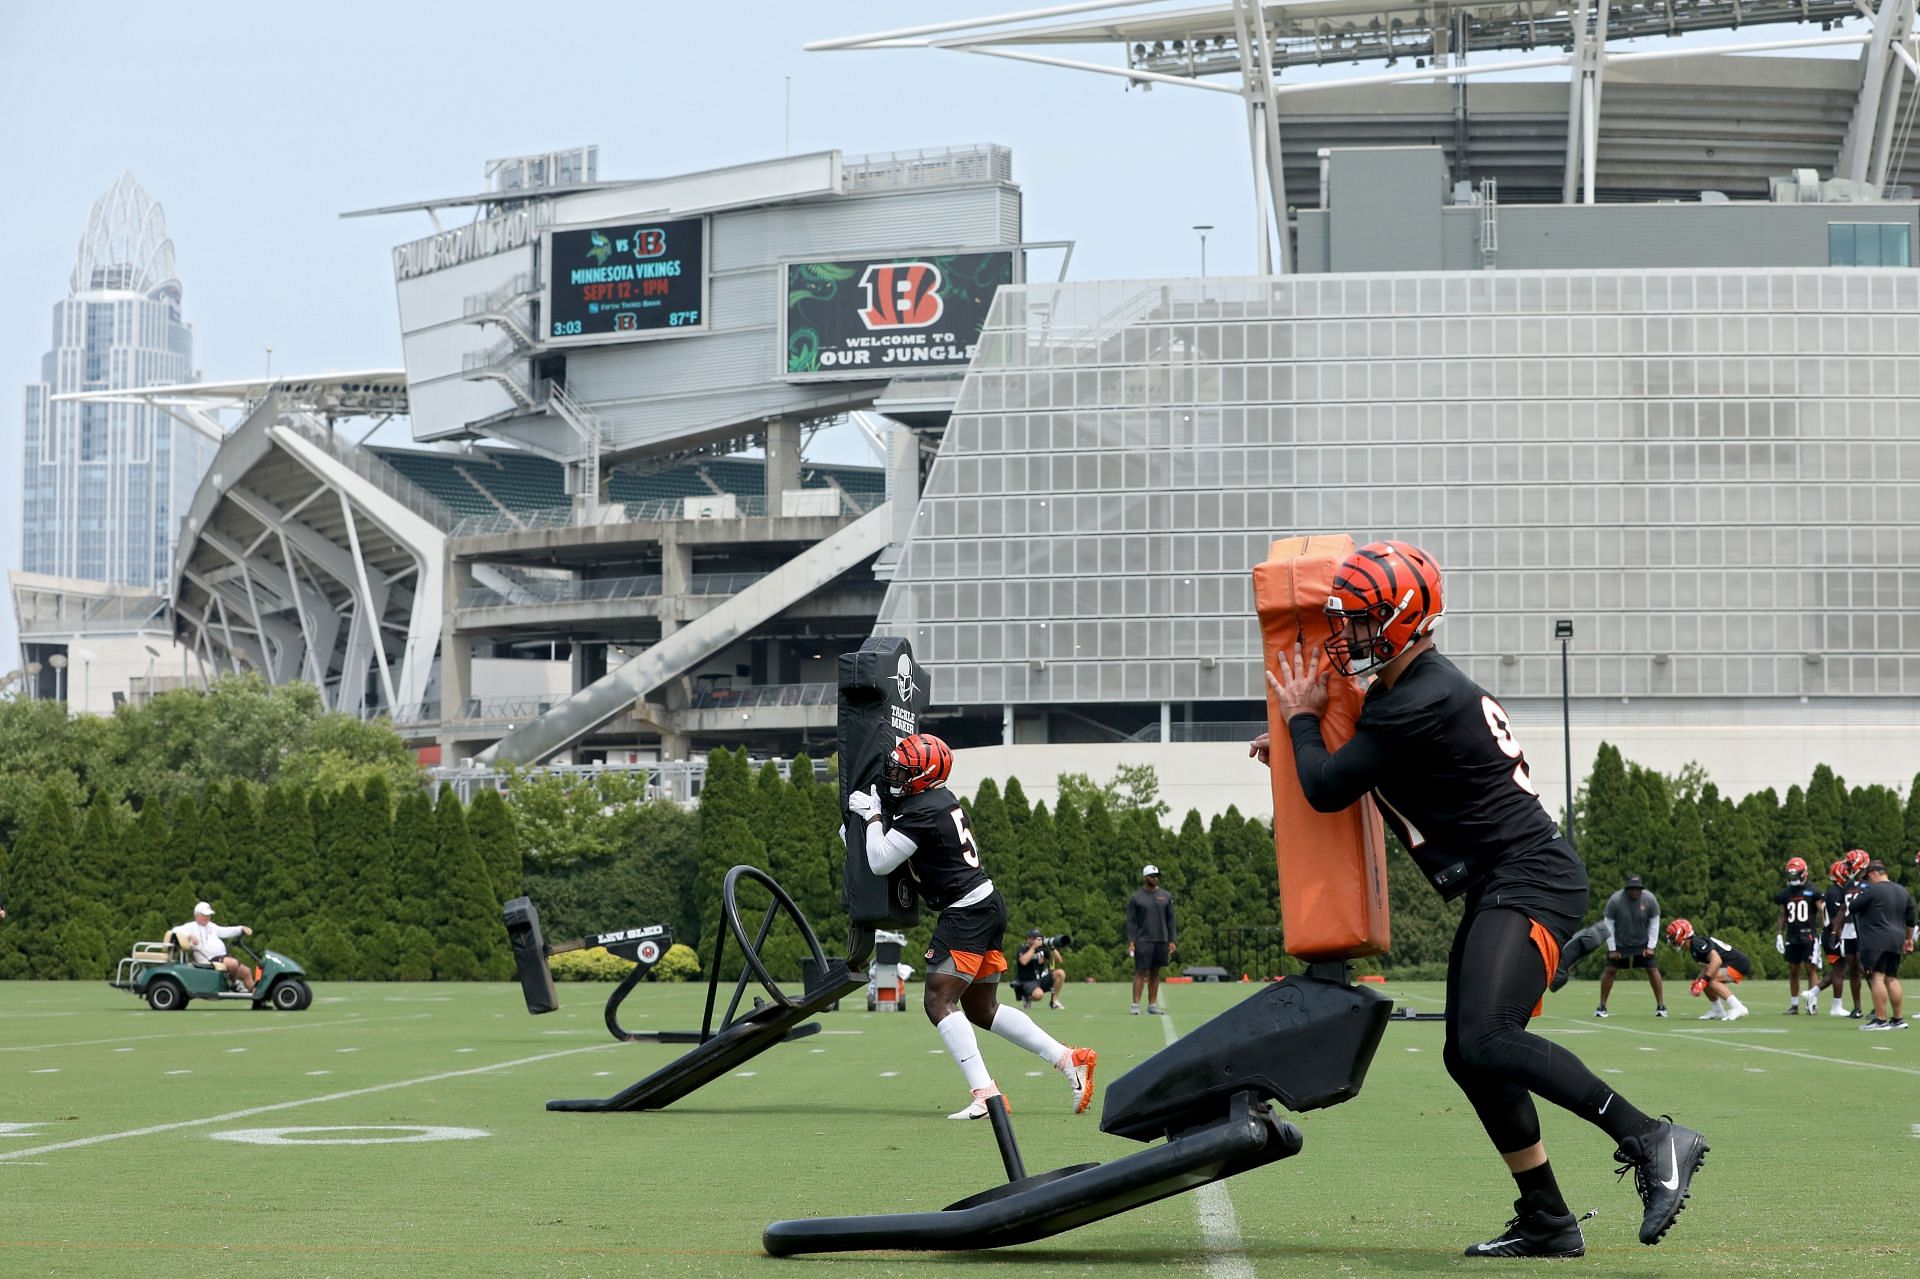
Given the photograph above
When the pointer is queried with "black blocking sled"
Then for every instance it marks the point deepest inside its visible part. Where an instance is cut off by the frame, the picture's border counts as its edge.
(739, 1038)
(1305, 1042)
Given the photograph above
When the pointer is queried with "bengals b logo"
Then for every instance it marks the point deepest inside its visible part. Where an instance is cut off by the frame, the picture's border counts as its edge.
(901, 295)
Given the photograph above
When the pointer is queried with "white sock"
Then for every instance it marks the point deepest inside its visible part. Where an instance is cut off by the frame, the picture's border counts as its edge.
(1719, 1006)
(1016, 1027)
(957, 1033)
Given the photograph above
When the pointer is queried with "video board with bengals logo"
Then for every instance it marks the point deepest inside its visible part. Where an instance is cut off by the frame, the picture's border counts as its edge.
(638, 279)
(874, 317)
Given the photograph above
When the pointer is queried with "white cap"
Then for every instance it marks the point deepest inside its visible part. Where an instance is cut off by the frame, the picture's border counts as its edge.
(1149, 869)
(201, 908)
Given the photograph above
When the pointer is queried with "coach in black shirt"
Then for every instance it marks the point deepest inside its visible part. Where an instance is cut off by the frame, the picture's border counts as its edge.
(1883, 918)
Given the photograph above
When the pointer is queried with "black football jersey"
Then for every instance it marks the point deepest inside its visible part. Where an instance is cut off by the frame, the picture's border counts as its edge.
(1702, 946)
(1836, 899)
(1439, 756)
(1802, 905)
(946, 865)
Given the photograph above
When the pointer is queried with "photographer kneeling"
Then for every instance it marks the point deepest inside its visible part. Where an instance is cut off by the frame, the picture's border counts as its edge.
(1038, 969)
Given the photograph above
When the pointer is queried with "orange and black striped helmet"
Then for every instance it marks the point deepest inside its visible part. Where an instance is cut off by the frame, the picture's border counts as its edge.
(1838, 871)
(1680, 932)
(918, 763)
(1796, 870)
(1386, 595)
(1857, 861)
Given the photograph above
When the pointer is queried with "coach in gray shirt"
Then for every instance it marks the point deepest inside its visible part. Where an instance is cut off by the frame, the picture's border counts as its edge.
(1883, 917)
(1632, 924)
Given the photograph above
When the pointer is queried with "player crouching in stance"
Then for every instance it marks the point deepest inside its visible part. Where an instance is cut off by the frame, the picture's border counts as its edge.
(1796, 934)
(1439, 757)
(921, 824)
(1722, 967)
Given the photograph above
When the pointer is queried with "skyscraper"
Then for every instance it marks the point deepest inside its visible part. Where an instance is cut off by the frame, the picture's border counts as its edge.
(105, 484)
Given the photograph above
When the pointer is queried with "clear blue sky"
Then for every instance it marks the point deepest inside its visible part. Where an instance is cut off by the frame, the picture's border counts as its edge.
(255, 126)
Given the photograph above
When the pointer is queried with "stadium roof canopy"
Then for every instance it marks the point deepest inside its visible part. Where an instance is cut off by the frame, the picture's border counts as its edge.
(1197, 46)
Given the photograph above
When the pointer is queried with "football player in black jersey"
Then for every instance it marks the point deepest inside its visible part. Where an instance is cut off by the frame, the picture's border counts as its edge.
(1722, 967)
(1437, 754)
(1842, 951)
(921, 824)
(1803, 917)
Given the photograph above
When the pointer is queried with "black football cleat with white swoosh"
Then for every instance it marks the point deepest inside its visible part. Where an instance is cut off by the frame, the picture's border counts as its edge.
(1663, 1163)
(1535, 1234)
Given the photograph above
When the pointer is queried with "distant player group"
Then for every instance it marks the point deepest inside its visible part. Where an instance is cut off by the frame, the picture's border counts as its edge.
(1863, 923)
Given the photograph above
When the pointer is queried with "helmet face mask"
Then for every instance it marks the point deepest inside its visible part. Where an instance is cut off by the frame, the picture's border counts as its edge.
(1386, 597)
(918, 763)
(1797, 871)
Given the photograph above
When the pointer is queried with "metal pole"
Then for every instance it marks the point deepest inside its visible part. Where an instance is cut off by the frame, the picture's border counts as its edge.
(1003, 1137)
(1566, 735)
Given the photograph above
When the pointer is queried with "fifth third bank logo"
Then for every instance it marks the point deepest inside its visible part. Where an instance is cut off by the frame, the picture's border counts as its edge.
(901, 295)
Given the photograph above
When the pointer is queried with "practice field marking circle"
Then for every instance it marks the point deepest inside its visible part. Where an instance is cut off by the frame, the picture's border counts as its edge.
(414, 1133)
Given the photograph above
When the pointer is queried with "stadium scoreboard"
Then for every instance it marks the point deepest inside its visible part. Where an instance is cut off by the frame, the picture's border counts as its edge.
(625, 281)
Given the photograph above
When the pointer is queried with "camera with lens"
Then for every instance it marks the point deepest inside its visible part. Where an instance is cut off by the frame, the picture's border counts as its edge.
(1058, 942)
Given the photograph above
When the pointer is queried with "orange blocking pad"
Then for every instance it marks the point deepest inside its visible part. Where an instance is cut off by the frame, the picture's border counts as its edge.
(1333, 866)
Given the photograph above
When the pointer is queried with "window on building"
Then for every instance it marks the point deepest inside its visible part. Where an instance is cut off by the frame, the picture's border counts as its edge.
(1869, 244)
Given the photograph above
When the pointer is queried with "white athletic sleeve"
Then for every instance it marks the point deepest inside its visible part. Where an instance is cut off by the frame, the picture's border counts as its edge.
(1606, 917)
(1653, 932)
(887, 849)
(227, 932)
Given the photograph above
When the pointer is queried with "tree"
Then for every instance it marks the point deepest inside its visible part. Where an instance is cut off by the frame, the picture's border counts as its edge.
(416, 870)
(1794, 832)
(289, 869)
(245, 855)
(1827, 812)
(491, 823)
(725, 800)
(472, 943)
(1876, 822)
(40, 883)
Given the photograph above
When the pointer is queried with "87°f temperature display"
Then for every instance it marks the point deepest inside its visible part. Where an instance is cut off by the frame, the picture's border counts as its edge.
(646, 278)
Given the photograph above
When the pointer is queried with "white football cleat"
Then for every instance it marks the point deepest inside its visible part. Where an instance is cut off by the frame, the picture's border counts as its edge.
(1738, 1011)
(1077, 1066)
(1712, 1014)
(1837, 1009)
(977, 1108)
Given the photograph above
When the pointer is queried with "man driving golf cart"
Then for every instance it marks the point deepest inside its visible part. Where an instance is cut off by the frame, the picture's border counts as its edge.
(205, 942)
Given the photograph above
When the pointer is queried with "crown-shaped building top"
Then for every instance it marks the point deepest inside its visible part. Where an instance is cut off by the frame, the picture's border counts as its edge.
(125, 246)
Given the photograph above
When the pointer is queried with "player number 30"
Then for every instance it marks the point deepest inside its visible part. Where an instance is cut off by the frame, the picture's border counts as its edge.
(1503, 738)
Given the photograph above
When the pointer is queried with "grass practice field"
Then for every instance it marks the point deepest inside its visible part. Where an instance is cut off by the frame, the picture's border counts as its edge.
(118, 1154)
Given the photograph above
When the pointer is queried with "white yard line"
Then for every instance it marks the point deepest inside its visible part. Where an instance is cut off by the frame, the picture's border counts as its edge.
(1219, 1226)
(251, 1111)
(1723, 1039)
(199, 1034)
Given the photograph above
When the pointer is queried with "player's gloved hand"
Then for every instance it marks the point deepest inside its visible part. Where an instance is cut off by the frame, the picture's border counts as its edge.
(1699, 986)
(1780, 942)
(864, 804)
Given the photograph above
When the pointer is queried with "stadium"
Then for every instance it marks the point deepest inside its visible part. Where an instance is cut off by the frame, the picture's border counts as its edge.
(1610, 307)
(1639, 370)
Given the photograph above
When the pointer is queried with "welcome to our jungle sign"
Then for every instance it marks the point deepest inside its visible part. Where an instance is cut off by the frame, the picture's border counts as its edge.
(872, 317)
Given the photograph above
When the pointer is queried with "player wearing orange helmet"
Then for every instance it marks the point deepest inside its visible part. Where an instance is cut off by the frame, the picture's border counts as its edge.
(1722, 968)
(1803, 917)
(1843, 954)
(921, 824)
(1438, 756)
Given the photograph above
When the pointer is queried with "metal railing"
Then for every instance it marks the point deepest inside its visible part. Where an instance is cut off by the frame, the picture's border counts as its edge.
(677, 780)
(656, 510)
(517, 289)
(933, 166)
(1212, 730)
(367, 466)
(753, 695)
(601, 589)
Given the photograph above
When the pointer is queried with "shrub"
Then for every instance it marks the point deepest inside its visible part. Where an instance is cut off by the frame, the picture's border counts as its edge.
(680, 963)
(596, 963)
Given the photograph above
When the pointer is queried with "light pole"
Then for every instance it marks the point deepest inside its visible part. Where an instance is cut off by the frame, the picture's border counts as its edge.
(33, 681)
(59, 663)
(1563, 631)
(153, 655)
(1203, 249)
(86, 676)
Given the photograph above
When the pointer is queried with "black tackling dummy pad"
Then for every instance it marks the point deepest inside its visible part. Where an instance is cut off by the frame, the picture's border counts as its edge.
(883, 694)
(1305, 1042)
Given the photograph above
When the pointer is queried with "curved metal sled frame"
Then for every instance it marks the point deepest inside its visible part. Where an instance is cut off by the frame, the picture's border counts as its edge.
(738, 1038)
(1305, 1042)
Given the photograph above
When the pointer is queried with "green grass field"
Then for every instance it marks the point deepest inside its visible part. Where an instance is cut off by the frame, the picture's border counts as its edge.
(109, 1162)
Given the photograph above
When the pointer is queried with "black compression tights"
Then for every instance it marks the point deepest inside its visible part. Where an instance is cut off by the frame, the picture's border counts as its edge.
(1495, 976)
